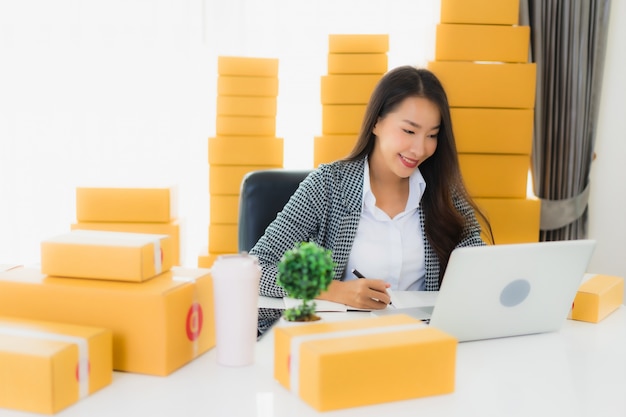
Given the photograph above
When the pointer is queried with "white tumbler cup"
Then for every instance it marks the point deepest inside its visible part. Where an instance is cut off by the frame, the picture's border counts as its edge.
(236, 293)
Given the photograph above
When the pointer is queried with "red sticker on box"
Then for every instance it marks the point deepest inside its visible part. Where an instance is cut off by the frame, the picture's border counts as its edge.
(194, 321)
(78, 370)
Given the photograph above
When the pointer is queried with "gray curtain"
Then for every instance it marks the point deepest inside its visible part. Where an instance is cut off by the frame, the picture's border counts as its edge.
(568, 42)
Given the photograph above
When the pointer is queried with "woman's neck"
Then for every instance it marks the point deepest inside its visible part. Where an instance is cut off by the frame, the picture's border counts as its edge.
(391, 191)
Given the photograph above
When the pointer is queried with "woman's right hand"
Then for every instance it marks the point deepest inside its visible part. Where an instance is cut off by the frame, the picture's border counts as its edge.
(363, 293)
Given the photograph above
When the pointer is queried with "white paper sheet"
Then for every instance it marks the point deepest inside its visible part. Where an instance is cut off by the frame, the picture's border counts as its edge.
(399, 299)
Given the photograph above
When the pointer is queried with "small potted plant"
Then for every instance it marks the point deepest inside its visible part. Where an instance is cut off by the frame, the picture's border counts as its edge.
(304, 272)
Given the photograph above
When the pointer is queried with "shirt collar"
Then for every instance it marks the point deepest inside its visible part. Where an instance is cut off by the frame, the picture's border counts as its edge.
(417, 186)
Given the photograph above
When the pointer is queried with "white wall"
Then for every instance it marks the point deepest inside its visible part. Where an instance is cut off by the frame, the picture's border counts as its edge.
(99, 92)
(607, 204)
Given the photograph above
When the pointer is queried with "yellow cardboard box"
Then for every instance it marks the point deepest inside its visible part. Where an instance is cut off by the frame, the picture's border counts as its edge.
(223, 238)
(158, 325)
(230, 85)
(109, 204)
(246, 150)
(245, 126)
(495, 175)
(172, 229)
(206, 258)
(348, 89)
(98, 254)
(329, 148)
(246, 106)
(359, 43)
(513, 220)
(224, 209)
(597, 297)
(226, 179)
(47, 366)
(317, 361)
(470, 84)
(456, 42)
(501, 12)
(351, 63)
(342, 119)
(480, 130)
(247, 66)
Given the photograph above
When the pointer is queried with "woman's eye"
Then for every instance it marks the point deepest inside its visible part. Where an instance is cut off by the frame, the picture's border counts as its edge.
(433, 136)
(410, 132)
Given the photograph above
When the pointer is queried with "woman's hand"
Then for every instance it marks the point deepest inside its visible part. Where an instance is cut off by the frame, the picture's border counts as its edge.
(364, 293)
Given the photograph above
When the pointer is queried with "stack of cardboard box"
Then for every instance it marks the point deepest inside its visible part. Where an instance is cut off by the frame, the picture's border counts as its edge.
(91, 284)
(481, 57)
(135, 210)
(355, 64)
(245, 141)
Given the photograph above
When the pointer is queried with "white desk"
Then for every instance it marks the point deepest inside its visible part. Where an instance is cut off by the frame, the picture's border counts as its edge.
(578, 371)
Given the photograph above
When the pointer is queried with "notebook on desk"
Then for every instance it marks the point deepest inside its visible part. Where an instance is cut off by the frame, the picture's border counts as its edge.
(507, 290)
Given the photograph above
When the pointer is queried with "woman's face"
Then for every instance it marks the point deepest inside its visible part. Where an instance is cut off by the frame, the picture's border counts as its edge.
(407, 136)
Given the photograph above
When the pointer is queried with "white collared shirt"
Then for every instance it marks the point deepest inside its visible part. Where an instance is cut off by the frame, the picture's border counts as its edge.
(386, 248)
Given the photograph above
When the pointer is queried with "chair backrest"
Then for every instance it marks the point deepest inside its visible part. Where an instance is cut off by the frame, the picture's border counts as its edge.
(263, 195)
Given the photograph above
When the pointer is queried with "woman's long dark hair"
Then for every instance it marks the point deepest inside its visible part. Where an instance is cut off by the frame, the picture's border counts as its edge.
(443, 223)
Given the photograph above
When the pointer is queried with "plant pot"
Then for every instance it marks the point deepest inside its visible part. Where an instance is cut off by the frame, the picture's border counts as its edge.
(284, 322)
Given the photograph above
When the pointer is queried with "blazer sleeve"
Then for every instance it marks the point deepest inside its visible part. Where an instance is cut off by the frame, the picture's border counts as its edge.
(297, 222)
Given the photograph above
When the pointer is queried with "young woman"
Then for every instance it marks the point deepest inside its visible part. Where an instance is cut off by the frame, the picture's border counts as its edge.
(393, 209)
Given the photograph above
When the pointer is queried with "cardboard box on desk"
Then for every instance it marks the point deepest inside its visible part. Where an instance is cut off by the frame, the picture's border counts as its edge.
(47, 366)
(98, 254)
(172, 229)
(158, 325)
(112, 204)
(338, 365)
(597, 297)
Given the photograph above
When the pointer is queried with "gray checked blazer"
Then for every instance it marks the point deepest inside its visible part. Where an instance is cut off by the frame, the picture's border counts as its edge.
(326, 209)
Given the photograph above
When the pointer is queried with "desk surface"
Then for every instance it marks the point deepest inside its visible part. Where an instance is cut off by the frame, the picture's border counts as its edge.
(578, 371)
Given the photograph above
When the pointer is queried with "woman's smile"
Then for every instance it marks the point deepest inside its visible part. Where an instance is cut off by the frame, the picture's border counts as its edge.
(408, 162)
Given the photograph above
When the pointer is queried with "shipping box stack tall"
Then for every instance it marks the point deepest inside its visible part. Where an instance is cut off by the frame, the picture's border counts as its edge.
(245, 141)
(134, 210)
(481, 57)
(355, 64)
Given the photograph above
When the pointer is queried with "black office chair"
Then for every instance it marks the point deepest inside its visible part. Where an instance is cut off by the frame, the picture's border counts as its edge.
(263, 194)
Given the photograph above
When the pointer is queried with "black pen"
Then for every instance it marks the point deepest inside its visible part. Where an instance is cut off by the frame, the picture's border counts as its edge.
(360, 275)
(357, 273)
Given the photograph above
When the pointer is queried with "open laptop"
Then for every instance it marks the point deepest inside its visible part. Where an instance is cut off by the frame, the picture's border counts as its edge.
(507, 290)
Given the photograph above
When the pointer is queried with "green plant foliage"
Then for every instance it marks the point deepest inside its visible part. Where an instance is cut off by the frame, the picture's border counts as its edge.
(304, 272)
